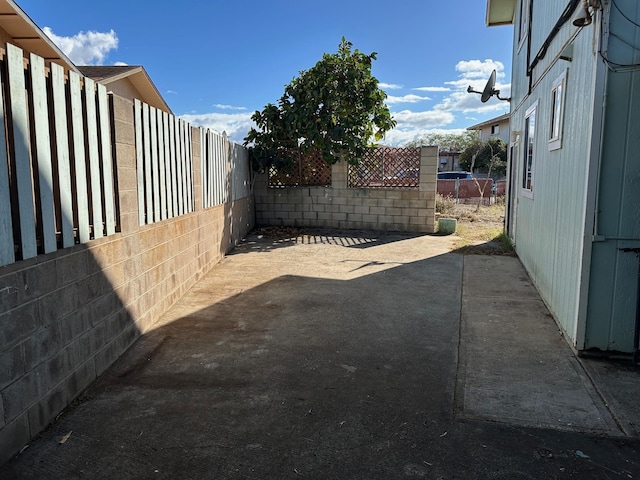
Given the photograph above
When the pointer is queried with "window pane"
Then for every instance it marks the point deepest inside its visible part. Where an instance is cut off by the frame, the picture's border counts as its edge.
(557, 103)
(529, 141)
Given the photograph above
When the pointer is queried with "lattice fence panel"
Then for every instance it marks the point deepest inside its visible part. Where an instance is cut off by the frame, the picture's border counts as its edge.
(387, 167)
(306, 171)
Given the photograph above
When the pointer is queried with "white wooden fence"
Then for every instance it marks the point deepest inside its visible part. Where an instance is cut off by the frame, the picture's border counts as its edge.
(216, 169)
(164, 164)
(56, 167)
(240, 171)
(225, 168)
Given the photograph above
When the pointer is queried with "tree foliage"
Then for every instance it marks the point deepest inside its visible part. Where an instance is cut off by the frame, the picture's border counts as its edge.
(449, 142)
(335, 109)
(486, 156)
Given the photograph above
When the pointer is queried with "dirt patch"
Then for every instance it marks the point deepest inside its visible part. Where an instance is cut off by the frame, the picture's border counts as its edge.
(480, 229)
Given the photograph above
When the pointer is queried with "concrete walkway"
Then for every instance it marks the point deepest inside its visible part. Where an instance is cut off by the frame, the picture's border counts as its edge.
(350, 355)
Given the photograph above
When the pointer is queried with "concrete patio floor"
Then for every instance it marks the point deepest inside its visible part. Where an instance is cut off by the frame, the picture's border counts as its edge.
(350, 355)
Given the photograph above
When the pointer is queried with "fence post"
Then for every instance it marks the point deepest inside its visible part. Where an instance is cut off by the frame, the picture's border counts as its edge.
(428, 183)
(339, 173)
(127, 135)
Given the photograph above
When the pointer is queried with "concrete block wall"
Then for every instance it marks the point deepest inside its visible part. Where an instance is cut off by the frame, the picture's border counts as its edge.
(66, 317)
(391, 209)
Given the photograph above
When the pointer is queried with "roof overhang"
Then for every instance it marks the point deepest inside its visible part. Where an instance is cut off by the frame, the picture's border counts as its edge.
(27, 35)
(500, 12)
(491, 121)
(138, 77)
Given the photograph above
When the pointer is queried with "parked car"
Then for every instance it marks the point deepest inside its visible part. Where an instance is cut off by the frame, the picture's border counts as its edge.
(454, 175)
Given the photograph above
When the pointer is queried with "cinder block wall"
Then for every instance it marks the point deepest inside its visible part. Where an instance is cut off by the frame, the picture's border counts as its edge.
(67, 316)
(392, 209)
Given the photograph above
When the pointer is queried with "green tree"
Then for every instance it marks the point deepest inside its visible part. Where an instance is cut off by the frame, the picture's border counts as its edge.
(455, 142)
(335, 108)
(488, 157)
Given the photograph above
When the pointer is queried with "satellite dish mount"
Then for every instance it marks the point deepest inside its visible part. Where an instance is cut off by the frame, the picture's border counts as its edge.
(489, 90)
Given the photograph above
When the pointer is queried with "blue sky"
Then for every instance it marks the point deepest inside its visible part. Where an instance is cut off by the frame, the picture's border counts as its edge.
(215, 62)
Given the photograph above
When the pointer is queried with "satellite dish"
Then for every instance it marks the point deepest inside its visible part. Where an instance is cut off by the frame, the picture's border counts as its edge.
(488, 88)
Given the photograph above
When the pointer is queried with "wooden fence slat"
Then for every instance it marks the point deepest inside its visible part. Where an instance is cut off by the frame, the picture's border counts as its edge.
(226, 168)
(107, 161)
(168, 167)
(211, 139)
(215, 160)
(155, 169)
(217, 190)
(183, 167)
(161, 170)
(137, 114)
(43, 152)
(7, 254)
(179, 173)
(62, 153)
(203, 169)
(22, 151)
(147, 164)
(189, 163)
(174, 166)
(77, 126)
(218, 166)
(213, 166)
(94, 157)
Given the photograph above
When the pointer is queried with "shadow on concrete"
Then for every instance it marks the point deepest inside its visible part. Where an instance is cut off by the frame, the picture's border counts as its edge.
(272, 237)
(336, 372)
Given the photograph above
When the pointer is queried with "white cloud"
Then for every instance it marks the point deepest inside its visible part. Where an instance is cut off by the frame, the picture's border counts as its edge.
(405, 99)
(464, 102)
(479, 68)
(171, 92)
(399, 137)
(407, 119)
(389, 86)
(474, 74)
(228, 107)
(432, 89)
(85, 48)
(455, 104)
(236, 125)
(457, 108)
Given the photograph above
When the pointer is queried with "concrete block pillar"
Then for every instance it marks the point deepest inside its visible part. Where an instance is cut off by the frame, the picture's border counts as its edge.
(125, 163)
(339, 173)
(428, 183)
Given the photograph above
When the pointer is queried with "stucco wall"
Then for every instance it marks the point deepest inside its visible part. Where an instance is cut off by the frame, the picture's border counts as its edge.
(393, 209)
(66, 316)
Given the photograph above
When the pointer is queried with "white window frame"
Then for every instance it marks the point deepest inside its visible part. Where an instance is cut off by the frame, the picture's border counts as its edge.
(523, 26)
(529, 151)
(495, 129)
(558, 95)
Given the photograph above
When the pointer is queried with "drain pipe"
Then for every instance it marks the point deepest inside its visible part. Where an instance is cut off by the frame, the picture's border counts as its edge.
(636, 333)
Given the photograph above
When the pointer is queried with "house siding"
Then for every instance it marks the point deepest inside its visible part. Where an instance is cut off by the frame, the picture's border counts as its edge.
(613, 283)
(548, 228)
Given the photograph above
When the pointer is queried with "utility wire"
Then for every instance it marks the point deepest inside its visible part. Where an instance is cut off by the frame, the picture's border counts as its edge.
(620, 67)
(613, 2)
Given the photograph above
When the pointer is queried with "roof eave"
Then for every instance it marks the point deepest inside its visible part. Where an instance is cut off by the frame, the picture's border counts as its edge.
(492, 121)
(500, 12)
(45, 46)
